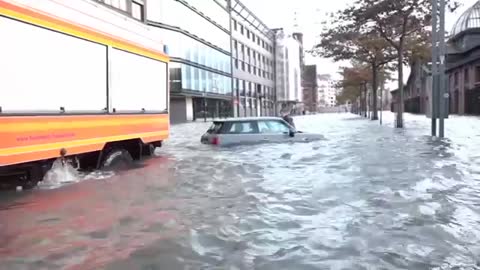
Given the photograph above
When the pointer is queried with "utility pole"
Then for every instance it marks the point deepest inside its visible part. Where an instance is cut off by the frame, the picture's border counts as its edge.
(442, 77)
(381, 101)
(439, 87)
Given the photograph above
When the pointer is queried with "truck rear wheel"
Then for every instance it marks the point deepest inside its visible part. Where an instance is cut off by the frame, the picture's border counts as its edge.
(116, 159)
(148, 149)
(36, 175)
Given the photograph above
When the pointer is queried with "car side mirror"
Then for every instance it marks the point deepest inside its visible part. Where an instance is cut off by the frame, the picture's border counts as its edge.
(291, 133)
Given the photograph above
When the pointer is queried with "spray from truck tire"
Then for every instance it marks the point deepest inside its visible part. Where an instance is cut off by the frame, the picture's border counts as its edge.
(62, 172)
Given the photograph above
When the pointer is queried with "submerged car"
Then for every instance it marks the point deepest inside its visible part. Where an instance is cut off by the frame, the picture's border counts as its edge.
(255, 130)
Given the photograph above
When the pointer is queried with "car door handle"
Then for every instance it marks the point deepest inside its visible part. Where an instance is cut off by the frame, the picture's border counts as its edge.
(265, 140)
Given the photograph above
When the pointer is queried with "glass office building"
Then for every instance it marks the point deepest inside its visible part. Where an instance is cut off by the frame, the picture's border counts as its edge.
(222, 56)
(132, 8)
(253, 51)
(197, 35)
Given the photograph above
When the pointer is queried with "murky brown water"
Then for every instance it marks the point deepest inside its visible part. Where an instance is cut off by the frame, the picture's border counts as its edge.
(369, 197)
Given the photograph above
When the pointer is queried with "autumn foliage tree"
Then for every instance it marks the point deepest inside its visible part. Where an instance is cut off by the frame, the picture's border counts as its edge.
(355, 80)
(383, 34)
(353, 83)
(343, 41)
(400, 23)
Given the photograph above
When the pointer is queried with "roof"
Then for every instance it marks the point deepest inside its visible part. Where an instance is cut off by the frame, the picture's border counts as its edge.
(240, 119)
(470, 19)
(241, 10)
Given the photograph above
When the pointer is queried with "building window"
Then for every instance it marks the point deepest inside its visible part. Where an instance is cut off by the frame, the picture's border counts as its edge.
(253, 37)
(236, 63)
(138, 10)
(455, 79)
(118, 4)
(241, 87)
(249, 68)
(235, 25)
(243, 66)
(477, 74)
(241, 29)
(248, 34)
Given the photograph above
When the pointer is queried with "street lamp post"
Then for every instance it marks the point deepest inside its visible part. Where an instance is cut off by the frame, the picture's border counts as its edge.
(381, 104)
(439, 87)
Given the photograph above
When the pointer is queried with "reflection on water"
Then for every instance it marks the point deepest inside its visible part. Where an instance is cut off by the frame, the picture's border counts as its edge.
(368, 197)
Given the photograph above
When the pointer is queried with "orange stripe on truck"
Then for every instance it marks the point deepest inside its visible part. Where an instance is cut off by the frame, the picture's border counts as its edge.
(53, 125)
(49, 21)
(42, 137)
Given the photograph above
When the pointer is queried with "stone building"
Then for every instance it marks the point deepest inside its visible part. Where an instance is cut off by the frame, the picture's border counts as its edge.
(463, 63)
(462, 67)
(417, 90)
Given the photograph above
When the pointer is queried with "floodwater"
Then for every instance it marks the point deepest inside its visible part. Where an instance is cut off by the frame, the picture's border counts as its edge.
(367, 197)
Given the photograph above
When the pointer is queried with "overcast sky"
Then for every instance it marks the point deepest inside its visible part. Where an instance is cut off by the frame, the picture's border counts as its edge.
(309, 14)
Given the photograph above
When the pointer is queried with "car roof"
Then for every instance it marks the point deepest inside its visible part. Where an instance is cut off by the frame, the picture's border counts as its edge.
(243, 119)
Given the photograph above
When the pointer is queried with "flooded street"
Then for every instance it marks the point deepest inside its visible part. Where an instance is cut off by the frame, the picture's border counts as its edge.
(367, 197)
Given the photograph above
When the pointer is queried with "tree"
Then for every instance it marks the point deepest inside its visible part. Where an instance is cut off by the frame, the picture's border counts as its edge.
(395, 21)
(353, 83)
(344, 40)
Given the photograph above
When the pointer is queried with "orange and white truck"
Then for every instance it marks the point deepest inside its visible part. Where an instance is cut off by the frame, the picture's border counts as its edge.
(77, 80)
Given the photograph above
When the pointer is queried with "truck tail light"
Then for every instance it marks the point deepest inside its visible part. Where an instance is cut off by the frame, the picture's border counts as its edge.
(215, 140)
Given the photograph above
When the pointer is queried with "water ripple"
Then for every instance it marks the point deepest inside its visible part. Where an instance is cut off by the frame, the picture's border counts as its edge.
(367, 197)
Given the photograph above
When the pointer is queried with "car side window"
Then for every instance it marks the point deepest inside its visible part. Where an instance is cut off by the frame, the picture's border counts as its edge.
(276, 127)
(242, 128)
(263, 127)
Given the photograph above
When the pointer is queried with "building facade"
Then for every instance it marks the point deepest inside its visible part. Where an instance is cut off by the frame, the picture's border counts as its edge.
(199, 47)
(253, 63)
(133, 8)
(310, 88)
(288, 63)
(463, 63)
(417, 90)
(463, 71)
(327, 93)
(224, 60)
